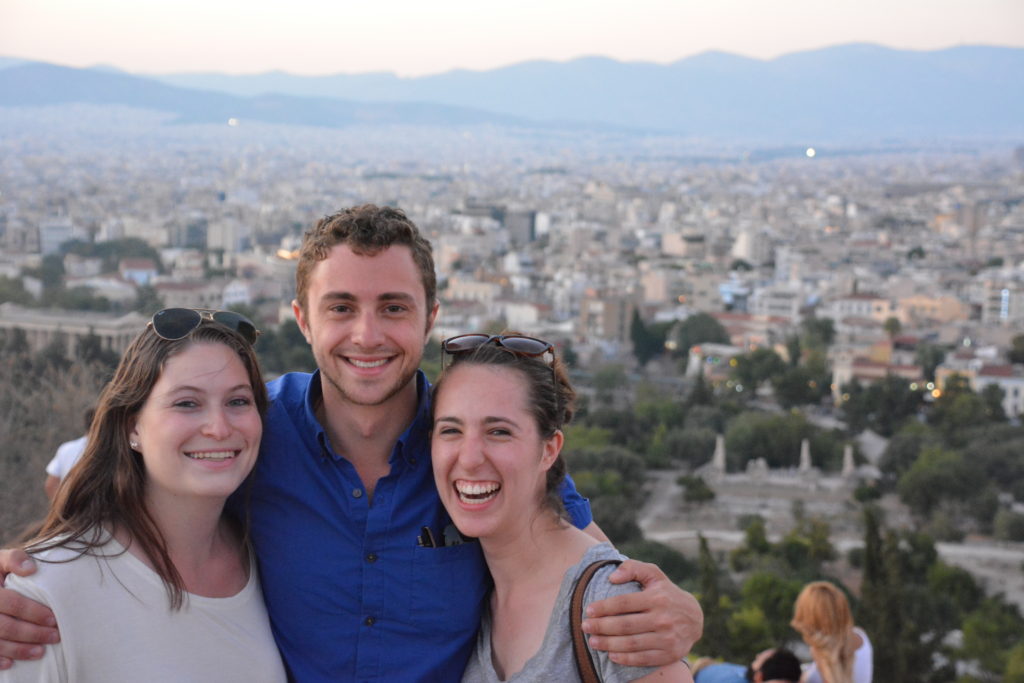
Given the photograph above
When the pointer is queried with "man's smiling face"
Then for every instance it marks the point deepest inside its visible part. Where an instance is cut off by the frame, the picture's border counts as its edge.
(367, 320)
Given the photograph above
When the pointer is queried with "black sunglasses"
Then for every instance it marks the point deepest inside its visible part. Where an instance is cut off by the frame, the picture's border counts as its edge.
(176, 323)
(514, 343)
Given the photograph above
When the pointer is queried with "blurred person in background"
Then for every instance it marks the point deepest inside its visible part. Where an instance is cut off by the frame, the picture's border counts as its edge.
(841, 651)
(67, 455)
(776, 665)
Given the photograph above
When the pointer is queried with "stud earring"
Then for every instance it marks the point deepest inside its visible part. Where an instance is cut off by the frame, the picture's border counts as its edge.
(134, 445)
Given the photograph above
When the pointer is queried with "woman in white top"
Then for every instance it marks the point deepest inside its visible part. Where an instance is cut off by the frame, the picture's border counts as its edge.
(147, 578)
(842, 652)
(498, 416)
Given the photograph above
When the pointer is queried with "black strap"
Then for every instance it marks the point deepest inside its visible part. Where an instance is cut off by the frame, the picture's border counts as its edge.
(584, 662)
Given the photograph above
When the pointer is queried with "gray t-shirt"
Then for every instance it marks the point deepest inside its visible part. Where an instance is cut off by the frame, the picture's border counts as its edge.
(554, 661)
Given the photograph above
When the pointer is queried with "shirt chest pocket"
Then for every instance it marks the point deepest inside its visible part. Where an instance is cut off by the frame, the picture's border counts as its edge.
(449, 586)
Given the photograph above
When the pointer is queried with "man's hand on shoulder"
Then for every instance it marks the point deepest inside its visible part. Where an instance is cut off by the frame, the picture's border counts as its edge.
(654, 627)
(25, 625)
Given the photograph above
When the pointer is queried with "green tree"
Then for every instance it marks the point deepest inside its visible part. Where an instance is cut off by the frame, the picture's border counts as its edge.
(700, 393)
(892, 326)
(715, 641)
(795, 387)
(1015, 665)
(147, 301)
(990, 633)
(284, 349)
(937, 475)
(12, 290)
(581, 437)
(613, 478)
(1016, 352)
(794, 350)
(699, 328)
(883, 406)
(774, 596)
(14, 343)
(881, 611)
(897, 604)
(758, 366)
(1009, 525)
(992, 396)
(904, 448)
(675, 565)
(817, 333)
(929, 357)
(90, 350)
(695, 489)
(956, 592)
(607, 381)
(749, 633)
(693, 446)
(647, 344)
(777, 438)
(112, 252)
(958, 410)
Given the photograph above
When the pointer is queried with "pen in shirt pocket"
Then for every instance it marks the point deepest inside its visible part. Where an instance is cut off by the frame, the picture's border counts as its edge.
(426, 538)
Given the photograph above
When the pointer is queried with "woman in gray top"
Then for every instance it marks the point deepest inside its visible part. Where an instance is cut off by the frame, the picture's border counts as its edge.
(498, 416)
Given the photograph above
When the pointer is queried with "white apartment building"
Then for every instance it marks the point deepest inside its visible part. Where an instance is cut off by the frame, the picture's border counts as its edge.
(860, 306)
(1009, 378)
(779, 301)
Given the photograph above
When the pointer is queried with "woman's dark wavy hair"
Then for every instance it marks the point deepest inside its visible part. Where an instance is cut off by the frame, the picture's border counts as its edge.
(550, 397)
(106, 488)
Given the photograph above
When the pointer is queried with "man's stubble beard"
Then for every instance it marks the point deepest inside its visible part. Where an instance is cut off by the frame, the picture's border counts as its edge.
(393, 391)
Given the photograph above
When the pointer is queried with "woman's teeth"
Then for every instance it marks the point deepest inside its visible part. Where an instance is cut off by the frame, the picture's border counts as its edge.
(216, 455)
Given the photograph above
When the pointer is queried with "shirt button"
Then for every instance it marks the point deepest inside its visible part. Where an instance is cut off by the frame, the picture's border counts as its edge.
(372, 557)
(412, 461)
(369, 621)
(357, 493)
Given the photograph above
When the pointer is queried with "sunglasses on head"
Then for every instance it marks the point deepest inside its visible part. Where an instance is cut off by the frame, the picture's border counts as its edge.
(514, 343)
(176, 323)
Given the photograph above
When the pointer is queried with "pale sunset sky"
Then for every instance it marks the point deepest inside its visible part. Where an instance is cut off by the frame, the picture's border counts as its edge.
(417, 37)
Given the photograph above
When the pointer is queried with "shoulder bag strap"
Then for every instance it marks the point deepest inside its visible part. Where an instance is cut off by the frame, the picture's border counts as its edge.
(584, 663)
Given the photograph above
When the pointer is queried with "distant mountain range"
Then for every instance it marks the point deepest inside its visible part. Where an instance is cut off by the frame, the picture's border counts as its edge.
(858, 92)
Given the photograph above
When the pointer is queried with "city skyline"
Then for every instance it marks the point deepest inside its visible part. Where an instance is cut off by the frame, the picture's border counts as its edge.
(310, 37)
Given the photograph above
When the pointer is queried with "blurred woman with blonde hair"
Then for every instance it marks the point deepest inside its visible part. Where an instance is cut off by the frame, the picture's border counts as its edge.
(842, 652)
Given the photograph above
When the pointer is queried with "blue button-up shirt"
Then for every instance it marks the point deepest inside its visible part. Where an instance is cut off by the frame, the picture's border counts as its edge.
(352, 594)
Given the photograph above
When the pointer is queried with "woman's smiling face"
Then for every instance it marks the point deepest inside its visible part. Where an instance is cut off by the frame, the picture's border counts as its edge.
(199, 430)
(490, 461)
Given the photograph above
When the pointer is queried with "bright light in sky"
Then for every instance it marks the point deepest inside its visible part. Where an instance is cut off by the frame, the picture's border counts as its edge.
(413, 37)
(810, 152)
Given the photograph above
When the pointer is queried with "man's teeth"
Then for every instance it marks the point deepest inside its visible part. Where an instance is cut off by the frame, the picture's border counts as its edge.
(476, 492)
(217, 455)
(368, 363)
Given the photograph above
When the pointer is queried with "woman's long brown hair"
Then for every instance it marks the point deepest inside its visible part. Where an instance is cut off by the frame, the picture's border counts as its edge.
(106, 488)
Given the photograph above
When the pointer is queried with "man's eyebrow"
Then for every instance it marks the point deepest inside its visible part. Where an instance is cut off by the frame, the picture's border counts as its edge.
(396, 296)
(385, 296)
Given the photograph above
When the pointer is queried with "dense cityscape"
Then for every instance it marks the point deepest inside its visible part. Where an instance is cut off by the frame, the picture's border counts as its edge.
(776, 347)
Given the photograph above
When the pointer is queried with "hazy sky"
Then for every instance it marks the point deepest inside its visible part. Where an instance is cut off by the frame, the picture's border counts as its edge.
(414, 37)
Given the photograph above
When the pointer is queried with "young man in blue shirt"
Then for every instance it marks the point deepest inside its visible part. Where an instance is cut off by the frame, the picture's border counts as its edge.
(361, 580)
